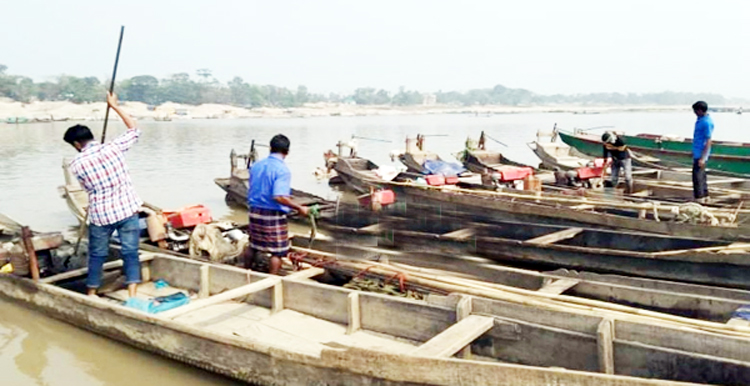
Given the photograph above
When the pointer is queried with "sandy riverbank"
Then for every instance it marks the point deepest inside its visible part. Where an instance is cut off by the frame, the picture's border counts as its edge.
(61, 111)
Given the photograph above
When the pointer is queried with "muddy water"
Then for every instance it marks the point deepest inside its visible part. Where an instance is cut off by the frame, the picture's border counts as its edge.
(174, 164)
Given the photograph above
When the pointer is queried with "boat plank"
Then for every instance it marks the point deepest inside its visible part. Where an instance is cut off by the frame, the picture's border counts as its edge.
(83, 271)
(226, 296)
(555, 236)
(223, 311)
(556, 287)
(455, 337)
(460, 234)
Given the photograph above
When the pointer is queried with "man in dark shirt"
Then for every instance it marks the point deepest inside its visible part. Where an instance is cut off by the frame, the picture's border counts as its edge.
(615, 147)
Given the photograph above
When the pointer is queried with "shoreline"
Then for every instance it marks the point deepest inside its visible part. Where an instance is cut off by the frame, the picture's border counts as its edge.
(17, 112)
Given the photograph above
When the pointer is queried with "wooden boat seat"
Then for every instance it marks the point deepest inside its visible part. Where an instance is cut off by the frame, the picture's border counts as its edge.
(557, 287)
(555, 236)
(456, 337)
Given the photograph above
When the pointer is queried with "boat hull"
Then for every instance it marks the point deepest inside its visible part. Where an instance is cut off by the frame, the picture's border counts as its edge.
(670, 153)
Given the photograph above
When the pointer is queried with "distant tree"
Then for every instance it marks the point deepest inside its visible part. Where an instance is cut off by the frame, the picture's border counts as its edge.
(204, 73)
(302, 95)
(142, 88)
(6, 82)
(80, 90)
(406, 98)
(364, 96)
(382, 97)
(25, 90)
(179, 88)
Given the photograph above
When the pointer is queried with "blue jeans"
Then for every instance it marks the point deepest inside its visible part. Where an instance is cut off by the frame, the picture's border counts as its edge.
(129, 232)
(627, 167)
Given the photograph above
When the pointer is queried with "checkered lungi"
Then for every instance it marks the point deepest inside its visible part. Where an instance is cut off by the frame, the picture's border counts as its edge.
(269, 231)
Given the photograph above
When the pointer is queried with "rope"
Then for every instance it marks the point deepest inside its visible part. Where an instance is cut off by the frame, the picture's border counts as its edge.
(487, 136)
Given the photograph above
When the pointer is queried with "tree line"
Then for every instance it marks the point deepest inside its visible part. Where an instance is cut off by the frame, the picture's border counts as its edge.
(204, 88)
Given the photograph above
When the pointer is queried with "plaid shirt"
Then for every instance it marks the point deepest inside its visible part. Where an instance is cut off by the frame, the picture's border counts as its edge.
(101, 170)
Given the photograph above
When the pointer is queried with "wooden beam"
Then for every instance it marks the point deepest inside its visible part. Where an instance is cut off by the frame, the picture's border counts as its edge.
(277, 300)
(372, 229)
(305, 274)
(725, 181)
(555, 236)
(222, 297)
(47, 241)
(556, 287)
(463, 311)
(82, 271)
(204, 291)
(460, 234)
(455, 337)
(604, 338)
(354, 316)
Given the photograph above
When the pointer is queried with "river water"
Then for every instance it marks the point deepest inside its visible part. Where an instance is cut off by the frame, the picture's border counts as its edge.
(174, 165)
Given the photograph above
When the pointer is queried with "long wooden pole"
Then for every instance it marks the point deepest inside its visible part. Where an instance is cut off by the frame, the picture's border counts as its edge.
(104, 131)
(112, 82)
(31, 252)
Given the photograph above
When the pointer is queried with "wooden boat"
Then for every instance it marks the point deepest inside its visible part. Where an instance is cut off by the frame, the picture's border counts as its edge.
(558, 155)
(729, 158)
(672, 185)
(415, 156)
(478, 159)
(692, 260)
(236, 185)
(292, 331)
(687, 300)
(545, 208)
(360, 174)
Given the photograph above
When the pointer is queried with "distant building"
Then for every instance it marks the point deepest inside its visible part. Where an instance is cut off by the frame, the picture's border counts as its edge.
(429, 99)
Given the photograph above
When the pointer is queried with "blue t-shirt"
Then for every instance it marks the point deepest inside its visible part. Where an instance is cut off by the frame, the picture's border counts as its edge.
(704, 127)
(269, 178)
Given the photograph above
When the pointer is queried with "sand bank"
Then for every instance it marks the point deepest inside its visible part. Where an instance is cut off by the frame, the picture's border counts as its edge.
(62, 111)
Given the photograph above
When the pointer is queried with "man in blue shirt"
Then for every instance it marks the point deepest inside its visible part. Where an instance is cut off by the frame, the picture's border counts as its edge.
(704, 128)
(269, 201)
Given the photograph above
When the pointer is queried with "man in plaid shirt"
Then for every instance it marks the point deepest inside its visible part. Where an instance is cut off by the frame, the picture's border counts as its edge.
(113, 203)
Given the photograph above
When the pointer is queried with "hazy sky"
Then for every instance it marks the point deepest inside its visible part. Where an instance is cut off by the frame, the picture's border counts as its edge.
(556, 46)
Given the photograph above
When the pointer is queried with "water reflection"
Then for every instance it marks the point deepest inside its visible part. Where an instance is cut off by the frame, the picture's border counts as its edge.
(36, 350)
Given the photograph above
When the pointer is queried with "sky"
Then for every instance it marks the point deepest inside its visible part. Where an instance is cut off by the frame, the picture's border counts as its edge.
(548, 47)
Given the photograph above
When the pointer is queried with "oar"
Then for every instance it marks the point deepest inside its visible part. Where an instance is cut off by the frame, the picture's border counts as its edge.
(104, 135)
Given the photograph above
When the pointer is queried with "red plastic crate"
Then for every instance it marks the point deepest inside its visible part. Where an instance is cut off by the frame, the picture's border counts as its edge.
(435, 180)
(384, 197)
(451, 180)
(513, 173)
(586, 173)
(190, 216)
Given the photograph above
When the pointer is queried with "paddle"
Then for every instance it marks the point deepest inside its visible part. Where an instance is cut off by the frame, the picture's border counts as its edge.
(104, 135)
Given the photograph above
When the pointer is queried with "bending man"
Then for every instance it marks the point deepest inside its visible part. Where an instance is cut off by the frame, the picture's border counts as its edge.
(113, 203)
(269, 201)
(615, 146)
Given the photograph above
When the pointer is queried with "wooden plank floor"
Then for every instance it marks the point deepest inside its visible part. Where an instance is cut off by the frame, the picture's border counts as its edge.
(300, 332)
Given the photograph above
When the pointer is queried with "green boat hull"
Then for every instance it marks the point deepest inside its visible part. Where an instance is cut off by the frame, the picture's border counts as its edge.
(670, 153)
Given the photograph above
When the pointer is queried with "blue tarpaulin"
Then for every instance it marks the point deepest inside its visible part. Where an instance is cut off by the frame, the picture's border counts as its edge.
(443, 168)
